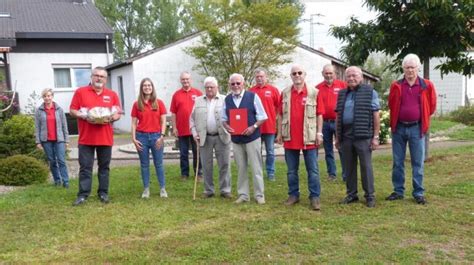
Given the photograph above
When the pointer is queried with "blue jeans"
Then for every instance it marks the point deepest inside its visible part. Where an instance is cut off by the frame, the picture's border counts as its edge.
(56, 154)
(329, 131)
(269, 140)
(148, 141)
(292, 158)
(185, 142)
(416, 143)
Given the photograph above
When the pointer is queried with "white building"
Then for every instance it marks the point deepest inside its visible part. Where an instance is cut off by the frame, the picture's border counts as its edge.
(164, 65)
(51, 44)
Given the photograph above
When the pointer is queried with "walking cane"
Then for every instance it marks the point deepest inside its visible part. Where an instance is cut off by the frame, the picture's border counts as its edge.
(197, 170)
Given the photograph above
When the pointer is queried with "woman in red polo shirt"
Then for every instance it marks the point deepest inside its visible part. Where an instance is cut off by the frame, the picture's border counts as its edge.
(52, 135)
(148, 128)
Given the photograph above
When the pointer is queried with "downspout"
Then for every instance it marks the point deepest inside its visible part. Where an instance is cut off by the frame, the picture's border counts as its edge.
(107, 47)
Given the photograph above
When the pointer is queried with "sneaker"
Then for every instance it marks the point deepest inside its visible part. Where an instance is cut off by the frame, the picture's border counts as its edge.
(394, 196)
(370, 203)
(163, 193)
(260, 200)
(79, 201)
(104, 198)
(315, 204)
(240, 200)
(146, 193)
(226, 195)
(420, 200)
(349, 199)
(332, 178)
(292, 200)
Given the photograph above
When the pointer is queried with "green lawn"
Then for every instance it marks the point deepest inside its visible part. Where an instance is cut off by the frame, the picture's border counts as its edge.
(39, 225)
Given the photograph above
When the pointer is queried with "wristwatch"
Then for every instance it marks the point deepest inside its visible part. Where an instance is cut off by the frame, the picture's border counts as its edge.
(255, 126)
(376, 137)
(320, 134)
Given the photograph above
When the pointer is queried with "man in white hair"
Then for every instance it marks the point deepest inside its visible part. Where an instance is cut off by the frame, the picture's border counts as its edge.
(412, 101)
(240, 106)
(357, 133)
(207, 130)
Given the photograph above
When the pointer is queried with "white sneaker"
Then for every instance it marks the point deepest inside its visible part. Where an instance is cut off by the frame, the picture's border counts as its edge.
(163, 193)
(146, 193)
(260, 200)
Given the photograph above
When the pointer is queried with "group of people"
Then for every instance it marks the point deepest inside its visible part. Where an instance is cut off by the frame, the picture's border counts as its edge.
(301, 118)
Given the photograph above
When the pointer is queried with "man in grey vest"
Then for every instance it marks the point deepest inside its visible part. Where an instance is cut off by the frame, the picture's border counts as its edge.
(207, 130)
(241, 105)
(357, 134)
(299, 127)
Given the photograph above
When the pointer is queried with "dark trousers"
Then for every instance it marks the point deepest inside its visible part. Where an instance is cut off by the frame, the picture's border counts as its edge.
(352, 151)
(185, 142)
(86, 163)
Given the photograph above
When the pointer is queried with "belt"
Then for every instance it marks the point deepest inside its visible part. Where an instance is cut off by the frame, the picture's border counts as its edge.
(408, 124)
(329, 120)
(212, 134)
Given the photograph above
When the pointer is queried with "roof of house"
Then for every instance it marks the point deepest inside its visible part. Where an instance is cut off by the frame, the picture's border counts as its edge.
(64, 19)
(191, 36)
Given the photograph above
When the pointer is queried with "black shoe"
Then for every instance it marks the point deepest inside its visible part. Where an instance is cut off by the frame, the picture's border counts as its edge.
(370, 203)
(394, 196)
(207, 195)
(79, 201)
(350, 199)
(104, 198)
(66, 185)
(226, 195)
(420, 200)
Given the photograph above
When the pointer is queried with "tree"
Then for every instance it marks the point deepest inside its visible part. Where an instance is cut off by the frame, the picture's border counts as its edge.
(240, 37)
(429, 29)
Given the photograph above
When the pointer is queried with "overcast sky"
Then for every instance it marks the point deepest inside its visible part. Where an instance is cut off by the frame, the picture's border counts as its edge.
(333, 12)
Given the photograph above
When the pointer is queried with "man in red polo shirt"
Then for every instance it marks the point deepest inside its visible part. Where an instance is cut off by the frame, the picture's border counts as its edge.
(328, 91)
(181, 107)
(270, 97)
(94, 135)
(300, 124)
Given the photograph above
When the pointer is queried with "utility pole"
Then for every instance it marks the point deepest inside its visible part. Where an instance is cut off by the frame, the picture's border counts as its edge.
(312, 21)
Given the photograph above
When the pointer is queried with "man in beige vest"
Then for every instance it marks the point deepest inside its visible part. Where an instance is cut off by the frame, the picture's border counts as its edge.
(299, 127)
(206, 127)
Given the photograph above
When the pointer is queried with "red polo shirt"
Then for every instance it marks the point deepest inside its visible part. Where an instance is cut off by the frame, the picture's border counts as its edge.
(51, 122)
(270, 97)
(94, 134)
(328, 94)
(149, 120)
(182, 105)
(298, 101)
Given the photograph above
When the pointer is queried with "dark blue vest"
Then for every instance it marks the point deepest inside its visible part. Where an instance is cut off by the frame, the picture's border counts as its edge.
(246, 103)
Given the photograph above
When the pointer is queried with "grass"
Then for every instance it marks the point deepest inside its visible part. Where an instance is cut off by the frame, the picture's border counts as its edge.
(39, 225)
(451, 129)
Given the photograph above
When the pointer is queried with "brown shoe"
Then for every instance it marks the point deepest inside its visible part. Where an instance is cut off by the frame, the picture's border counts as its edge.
(315, 204)
(207, 195)
(226, 195)
(292, 200)
(184, 177)
(199, 178)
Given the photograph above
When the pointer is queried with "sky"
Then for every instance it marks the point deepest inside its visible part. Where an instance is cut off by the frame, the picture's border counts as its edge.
(332, 12)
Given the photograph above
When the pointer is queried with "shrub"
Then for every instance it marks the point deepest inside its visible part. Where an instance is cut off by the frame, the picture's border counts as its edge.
(39, 154)
(22, 170)
(17, 136)
(463, 115)
(384, 126)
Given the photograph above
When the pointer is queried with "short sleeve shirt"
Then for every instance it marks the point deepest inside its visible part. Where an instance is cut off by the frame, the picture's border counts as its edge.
(329, 94)
(298, 101)
(270, 97)
(94, 134)
(182, 105)
(149, 120)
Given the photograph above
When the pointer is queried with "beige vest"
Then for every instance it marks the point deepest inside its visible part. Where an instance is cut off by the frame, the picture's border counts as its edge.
(309, 120)
(200, 119)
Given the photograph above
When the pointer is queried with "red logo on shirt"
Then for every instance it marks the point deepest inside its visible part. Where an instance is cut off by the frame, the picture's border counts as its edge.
(106, 99)
(336, 90)
(268, 93)
(303, 101)
(193, 97)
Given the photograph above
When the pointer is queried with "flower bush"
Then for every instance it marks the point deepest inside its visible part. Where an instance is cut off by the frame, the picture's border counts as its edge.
(384, 126)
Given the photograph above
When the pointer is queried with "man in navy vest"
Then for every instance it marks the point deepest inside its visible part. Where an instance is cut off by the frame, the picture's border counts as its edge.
(357, 133)
(246, 145)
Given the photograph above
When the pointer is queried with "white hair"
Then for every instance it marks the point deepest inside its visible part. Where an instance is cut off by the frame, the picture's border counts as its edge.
(411, 57)
(241, 77)
(354, 68)
(258, 70)
(210, 79)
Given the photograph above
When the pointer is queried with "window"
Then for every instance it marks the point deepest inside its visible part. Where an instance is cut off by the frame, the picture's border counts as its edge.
(71, 76)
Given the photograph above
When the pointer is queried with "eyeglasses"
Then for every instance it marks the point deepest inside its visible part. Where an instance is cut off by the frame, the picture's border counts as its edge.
(235, 84)
(99, 76)
(297, 73)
